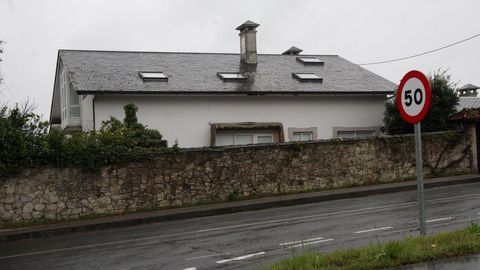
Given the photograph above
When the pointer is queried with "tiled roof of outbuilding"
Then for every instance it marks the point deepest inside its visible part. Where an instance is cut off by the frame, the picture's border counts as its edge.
(466, 115)
(196, 73)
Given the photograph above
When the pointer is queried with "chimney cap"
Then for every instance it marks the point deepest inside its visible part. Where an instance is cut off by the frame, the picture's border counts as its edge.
(468, 87)
(293, 51)
(247, 24)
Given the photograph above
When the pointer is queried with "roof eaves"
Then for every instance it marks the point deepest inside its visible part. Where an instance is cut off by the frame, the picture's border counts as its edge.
(206, 53)
(252, 93)
(54, 87)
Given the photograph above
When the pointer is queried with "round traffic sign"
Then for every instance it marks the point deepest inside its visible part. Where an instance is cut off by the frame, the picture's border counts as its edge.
(414, 97)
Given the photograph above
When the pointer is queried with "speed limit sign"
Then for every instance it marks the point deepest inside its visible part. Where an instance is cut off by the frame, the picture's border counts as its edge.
(413, 101)
(414, 96)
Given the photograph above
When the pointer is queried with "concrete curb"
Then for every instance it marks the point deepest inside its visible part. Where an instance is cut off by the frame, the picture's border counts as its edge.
(225, 208)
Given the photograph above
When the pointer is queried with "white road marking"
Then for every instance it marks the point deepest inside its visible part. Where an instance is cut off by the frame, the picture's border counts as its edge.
(201, 257)
(232, 227)
(311, 243)
(374, 230)
(191, 268)
(244, 257)
(328, 214)
(300, 241)
(214, 255)
(439, 219)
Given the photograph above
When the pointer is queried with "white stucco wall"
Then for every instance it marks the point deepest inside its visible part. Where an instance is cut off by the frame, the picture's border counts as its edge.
(86, 112)
(187, 118)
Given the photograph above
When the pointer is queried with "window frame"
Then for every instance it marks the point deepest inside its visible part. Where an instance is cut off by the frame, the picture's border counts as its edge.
(147, 79)
(64, 115)
(240, 76)
(374, 129)
(298, 76)
(314, 61)
(265, 135)
(312, 130)
(66, 90)
(254, 137)
(303, 134)
(70, 105)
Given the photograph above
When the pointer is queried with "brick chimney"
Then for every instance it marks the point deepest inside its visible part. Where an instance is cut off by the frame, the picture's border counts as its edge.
(248, 42)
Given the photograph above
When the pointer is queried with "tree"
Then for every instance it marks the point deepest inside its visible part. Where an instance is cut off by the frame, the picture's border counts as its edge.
(444, 102)
(1, 51)
(21, 138)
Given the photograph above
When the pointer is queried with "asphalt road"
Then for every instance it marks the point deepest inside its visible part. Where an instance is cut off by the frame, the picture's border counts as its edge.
(249, 240)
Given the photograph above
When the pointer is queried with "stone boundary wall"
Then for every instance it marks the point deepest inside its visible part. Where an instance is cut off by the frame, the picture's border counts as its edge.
(218, 174)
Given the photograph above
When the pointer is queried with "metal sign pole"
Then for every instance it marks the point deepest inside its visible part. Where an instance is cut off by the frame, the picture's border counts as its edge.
(419, 168)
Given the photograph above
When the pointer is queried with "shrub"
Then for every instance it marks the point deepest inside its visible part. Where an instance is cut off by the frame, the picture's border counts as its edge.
(22, 138)
(25, 142)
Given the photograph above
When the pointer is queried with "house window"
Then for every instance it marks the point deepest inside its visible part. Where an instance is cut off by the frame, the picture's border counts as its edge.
(310, 60)
(355, 132)
(231, 76)
(74, 104)
(153, 76)
(307, 77)
(70, 102)
(243, 139)
(302, 136)
(242, 133)
(64, 98)
(265, 138)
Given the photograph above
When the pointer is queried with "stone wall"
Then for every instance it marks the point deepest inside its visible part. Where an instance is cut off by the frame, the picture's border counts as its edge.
(219, 174)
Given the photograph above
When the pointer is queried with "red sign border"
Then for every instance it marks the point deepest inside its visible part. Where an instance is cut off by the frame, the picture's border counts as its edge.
(428, 97)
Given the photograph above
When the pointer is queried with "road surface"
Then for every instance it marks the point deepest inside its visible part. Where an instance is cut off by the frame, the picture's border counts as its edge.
(249, 240)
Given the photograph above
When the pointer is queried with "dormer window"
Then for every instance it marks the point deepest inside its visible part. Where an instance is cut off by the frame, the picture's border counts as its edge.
(153, 76)
(310, 61)
(307, 77)
(231, 76)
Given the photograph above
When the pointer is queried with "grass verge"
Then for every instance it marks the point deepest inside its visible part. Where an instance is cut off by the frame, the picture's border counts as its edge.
(391, 254)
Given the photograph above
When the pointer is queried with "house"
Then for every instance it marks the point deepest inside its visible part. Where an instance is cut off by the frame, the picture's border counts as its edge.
(468, 97)
(213, 99)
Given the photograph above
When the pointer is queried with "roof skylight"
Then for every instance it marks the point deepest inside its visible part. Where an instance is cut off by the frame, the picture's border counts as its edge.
(231, 76)
(307, 77)
(310, 60)
(153, 76)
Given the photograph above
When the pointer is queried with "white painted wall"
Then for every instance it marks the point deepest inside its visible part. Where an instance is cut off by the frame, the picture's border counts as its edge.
(187, 118)
(86, 112)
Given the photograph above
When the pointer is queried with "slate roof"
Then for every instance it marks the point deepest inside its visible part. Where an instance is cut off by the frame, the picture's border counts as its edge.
(196, 73)
(468, 102)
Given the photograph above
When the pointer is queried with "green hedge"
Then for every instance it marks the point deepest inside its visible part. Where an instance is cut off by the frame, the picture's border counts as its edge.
(25, 142)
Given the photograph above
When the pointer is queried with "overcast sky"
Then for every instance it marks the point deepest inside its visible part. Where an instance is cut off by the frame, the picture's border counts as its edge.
(360, 31)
